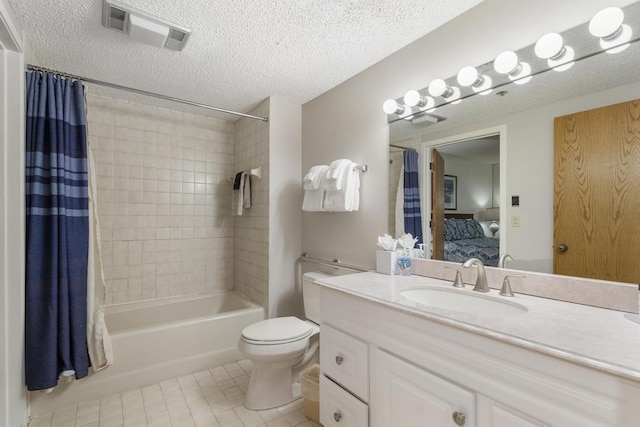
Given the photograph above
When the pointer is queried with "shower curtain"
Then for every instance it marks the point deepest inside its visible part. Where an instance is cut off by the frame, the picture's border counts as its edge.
(412, 215)
(57, 234)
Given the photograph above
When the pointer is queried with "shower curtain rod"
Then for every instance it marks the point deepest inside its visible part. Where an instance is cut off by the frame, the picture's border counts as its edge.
(144, 92)
(402, 148)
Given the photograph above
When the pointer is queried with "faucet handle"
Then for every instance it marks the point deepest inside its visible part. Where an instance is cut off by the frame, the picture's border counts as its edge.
(457, 283)
(506, 285)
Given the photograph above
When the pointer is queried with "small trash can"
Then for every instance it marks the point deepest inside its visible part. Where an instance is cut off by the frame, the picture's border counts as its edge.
(310, 379)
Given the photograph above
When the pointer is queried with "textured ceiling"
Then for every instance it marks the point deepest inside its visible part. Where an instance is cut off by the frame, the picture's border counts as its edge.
(240, 52)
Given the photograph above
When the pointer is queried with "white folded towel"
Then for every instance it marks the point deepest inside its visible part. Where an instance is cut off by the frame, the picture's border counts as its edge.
(246, 192)
(312, 178)
(347, 199)
(336, 173)
(313, 199)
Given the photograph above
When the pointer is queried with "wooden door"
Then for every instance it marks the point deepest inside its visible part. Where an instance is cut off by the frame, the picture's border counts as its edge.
(437, 204)
(597, 193)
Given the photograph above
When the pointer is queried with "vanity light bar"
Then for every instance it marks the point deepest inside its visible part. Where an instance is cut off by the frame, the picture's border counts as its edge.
(607, 25)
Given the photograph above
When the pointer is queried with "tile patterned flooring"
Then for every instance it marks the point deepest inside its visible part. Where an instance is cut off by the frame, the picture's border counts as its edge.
(211, 398)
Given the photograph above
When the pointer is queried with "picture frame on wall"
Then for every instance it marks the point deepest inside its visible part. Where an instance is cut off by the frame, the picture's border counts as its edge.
(450, 192)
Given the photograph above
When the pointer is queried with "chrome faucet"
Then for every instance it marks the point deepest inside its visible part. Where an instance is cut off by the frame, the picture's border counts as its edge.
(502, 262)
(481, 281)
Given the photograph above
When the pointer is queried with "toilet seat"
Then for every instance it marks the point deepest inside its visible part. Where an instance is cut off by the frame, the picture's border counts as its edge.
(279, 330)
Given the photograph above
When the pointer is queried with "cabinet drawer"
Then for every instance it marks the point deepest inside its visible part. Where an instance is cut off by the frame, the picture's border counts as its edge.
(339, 408)
(345, 359)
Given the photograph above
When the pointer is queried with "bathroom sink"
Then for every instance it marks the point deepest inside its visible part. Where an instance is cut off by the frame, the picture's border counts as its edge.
(463, 302)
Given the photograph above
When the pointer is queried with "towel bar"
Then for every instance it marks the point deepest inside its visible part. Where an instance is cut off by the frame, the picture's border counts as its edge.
(336, 263)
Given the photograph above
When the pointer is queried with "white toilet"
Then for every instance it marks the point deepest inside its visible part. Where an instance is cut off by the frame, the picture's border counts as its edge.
(280, 348)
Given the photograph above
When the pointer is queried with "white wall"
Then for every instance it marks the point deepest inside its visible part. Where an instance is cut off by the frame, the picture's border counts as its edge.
(13, 395)
(285, 201)
(474, 181)
(348, 120)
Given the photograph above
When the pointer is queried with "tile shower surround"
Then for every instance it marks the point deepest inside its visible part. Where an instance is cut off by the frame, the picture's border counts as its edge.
(164, 200)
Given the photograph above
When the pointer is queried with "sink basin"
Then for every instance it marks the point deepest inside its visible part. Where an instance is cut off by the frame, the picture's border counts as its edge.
(463, 302)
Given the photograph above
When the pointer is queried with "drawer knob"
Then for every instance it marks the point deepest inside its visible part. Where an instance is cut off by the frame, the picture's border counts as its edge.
(337, 416)
(339, 360)
(459, 418)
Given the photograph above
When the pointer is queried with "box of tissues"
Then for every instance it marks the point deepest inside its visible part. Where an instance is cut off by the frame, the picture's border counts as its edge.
(386, 258)
(386, 262)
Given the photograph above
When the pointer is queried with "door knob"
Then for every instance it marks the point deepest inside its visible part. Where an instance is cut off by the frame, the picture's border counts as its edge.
(562, 248)
(459, 418)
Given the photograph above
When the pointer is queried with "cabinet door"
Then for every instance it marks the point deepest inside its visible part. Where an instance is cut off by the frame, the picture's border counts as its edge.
(404, 395)
(494, 414)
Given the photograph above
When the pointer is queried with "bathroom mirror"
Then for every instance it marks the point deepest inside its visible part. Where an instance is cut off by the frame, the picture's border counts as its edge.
(526, 113)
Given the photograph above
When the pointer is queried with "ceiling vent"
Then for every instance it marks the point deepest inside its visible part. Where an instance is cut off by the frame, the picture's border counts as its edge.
(426, 119)
(142, 27)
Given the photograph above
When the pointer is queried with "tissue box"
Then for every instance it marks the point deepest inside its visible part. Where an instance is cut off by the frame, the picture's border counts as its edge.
(386, 262)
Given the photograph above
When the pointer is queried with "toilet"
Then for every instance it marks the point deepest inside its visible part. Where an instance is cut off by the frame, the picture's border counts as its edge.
(280, 348)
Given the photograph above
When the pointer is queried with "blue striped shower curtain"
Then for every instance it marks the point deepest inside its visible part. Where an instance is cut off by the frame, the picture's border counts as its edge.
(57, 240)
(412, 215)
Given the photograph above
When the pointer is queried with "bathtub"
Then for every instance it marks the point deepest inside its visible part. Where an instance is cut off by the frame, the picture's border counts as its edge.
(156, 340)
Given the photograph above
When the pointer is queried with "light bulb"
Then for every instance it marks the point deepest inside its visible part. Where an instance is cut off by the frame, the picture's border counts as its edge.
(390, 106)
(469, 76)
(606, 23)
(507, 63)
(608, 26)
(413, 98)
(438, 87)
(549, 46)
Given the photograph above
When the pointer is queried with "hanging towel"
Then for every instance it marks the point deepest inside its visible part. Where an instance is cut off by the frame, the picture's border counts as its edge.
(347, 198)
(246, 192)
(312, 178)
(238, 193)
(313, 199)
(336, 174)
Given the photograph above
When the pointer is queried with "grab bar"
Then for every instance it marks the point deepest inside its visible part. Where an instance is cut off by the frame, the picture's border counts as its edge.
(335, 263)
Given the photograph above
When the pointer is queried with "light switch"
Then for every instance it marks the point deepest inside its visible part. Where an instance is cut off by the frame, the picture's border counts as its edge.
(515, 220)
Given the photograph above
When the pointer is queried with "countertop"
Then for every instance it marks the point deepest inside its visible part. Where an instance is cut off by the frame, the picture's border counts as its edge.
(598, 338)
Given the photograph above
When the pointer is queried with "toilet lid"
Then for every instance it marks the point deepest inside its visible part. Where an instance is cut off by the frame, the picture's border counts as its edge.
(277, 329)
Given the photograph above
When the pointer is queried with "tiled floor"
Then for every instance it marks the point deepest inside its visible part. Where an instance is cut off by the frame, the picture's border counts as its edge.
(211, 398)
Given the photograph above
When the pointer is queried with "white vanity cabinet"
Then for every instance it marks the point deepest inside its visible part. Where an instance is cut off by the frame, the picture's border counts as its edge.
(422, 371)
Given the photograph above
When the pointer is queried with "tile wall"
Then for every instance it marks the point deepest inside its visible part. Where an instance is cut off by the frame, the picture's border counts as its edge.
(164, 200)
(251, 261)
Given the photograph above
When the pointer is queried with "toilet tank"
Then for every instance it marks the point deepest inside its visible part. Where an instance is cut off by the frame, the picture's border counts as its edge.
(311, 295)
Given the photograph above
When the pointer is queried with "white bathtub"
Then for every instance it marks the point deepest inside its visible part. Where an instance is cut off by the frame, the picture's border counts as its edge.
(155, 340)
